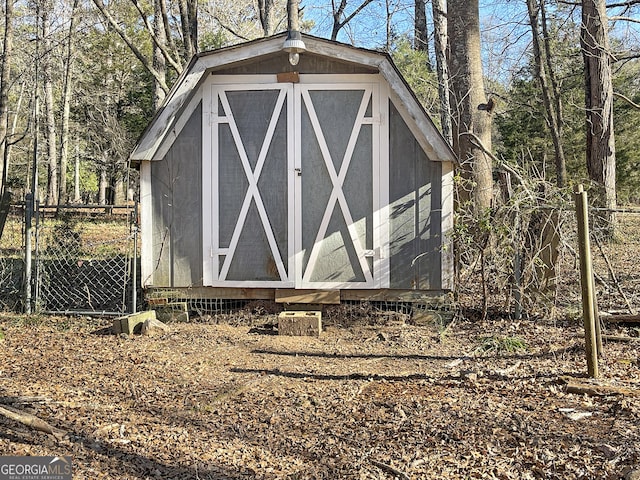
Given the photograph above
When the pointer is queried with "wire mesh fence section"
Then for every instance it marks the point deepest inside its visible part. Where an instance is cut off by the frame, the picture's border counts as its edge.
(615, 265)
(83, 266)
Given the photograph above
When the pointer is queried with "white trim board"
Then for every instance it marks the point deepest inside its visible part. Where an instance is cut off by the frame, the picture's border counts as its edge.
(146, 224)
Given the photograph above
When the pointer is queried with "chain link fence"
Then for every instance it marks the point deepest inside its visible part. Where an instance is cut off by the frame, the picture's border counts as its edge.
(82, 262)
(12, 262)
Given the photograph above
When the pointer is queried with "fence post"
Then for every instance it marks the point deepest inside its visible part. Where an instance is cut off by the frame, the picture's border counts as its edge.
(586, 281)
(134, 280)
(517, 270)
(28, 220)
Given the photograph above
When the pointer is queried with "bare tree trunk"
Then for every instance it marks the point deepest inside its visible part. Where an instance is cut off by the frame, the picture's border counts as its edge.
(189, 22)
(439, 10)
(601, 147)
(421, 33)
(265, 7)
(5, 74)
(66, 104)
(102, 188)
(159, 61)
(555, 87)
(52, 177)
(76, 177)
(551, 105)
(472, 111)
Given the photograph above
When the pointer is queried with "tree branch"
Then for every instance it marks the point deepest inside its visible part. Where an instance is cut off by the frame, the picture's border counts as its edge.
(157, 43)
(630, 3)
(478, 144)
(626, 99)
(31, 421)
(123, 35)
(624, 19)
(355, 12)
(229, 29)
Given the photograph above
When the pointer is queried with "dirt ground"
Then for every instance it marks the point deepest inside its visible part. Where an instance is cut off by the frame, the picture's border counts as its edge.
(397, 400)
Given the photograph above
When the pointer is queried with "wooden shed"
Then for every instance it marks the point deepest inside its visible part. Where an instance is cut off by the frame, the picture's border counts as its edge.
(259, 177)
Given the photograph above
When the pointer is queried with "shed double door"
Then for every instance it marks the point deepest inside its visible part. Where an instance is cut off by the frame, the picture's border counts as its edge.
(293, 185)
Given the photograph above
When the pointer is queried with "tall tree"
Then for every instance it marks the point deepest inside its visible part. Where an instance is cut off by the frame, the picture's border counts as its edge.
(159, 60)
(546, 79)
(601, 146)
(421, 33)
(265, 9)
(66, 100)
(189, 22)
(5, 74)
(440, 42)
(471, 109)
(49, 106)
(175, 48)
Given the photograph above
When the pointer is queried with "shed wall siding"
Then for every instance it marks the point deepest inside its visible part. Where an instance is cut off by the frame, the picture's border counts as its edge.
(415, 199)
(177, 209)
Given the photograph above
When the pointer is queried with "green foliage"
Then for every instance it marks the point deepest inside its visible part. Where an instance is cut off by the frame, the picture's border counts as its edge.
(522, 132)
(499, 344)
(414, 66)
(88, 177)
(64, 240)
(522, 136)
(627, 131)
(211, 40)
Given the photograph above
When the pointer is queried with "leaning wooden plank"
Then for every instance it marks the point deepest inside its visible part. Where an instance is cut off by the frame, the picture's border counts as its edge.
(31, 421)
(599, 390)
(617, 338)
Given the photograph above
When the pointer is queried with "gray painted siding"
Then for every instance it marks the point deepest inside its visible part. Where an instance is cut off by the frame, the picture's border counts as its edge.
(415, 196)
(279, 63)
(176, 183)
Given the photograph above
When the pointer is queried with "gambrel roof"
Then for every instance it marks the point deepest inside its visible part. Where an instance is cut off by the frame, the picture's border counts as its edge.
(167, 122)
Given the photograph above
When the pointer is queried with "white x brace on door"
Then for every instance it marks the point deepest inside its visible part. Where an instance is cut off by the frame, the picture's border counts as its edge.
(292, 185)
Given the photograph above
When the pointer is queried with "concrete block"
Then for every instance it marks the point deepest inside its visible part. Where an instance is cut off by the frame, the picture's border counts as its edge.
(132, 323)
(172, 312)
(304, 323)
(153, 327)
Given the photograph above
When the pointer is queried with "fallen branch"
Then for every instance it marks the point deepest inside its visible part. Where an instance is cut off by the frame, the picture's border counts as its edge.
(598, 390)
(617, 338)
(389, 469)
(621, 318)
(31, 421)
(23, 400)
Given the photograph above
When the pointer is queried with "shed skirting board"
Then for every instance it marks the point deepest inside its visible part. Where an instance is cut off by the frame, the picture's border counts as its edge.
(382, 295)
